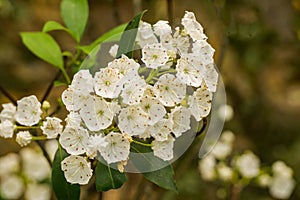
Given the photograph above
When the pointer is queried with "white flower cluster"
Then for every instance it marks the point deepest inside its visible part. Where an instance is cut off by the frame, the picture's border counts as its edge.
(243, 169)
(146, 101)
(24, 175)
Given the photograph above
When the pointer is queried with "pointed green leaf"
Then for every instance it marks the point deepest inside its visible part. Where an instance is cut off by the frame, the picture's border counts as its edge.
(55, 26)
(43, 46)
(110, 36)
(75, 15)
(108, 178)
(62, 189)
(128, 37)
(154, 169)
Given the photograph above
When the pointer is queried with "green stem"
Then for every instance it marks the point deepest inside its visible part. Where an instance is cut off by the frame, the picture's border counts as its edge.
(152, 74)
(42, 137)
(143, 144)
(166, 72)
(66, 75)
(26, 127)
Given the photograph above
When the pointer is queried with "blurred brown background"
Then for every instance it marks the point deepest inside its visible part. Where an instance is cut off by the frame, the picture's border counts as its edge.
(257, 51)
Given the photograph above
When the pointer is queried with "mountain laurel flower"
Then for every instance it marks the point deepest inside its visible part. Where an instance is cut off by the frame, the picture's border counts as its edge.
(154, 55)
(133, 120)
(7, 129)
(248, 165)
(225, 173)
(28, 111)
(221, 150)
(181, 120)
(8, 112)
(124, 65)
(279, 168)
(204, 51)
(192, 27)
(207, 168)
(77, 169)
(153, 108)
(164, 149)
(113, 50)
(161, 129)
(52, 127)
(12, 187)
(281, 187)
(23, 138)
(74, 139)
(211, 77)
(107, 82)
(83, 82)
(200, 102)
(133, 91)
(9, 164)
(145, 35)
(117, 148)
(169, 90)
(35, 191)
(95, 142)
(162, 27)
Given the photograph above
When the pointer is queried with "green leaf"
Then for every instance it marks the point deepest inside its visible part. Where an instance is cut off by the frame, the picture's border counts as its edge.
(43, 46)
(154, 169)
(62, 189)
(108, 178)
(128, 37)
(75, 15)
(55, 26)
(110, 36)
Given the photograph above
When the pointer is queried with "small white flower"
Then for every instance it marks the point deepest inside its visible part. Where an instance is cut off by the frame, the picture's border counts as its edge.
(169, 90)
(228, 137)
(225, 112)
(279, 168)
(34, 165)
(23, 138)
(28, 111)
(107, 82)
(52, 127)
(7, 129)
(204, 51)
(264, 180)
(9, 163)
(154, 108)
(207, 168)
(181, 42)
(181, 120)
(221, 150)
(77, 169)
(125, 65)
(188, 73)
(98, 114)
(161, 129)
(162, 28)
(248, 165)
(117, 148)
(67, 98)
(8, 112)
(211, 77)
(225, 173)
(36, 191)
(200, 102)
(281, 187)
(154, 55)
(113, 50)
(12, 187)
(94, 145)
(192, 27)
(164, 149)
(74, 140)
(83, 82)
(133, 120)
(145, 34)
(133, 91)
(73, 119)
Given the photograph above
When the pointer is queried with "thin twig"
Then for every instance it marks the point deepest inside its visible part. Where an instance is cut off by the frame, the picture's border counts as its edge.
(8, 95)
(45, 96)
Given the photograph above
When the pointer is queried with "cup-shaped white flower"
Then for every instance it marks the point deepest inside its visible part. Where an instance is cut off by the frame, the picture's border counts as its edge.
(207, 167)
(225, 173)
(161, 129)
(192, 27)
(169, 90)
(133, 120)
(162, 27)
(117, 148)
(23, 138)
(279, 168)
(188, 73)
(8, 112)
(154, 55)
(281, 187)
(67, 98)
(94, 144)
(28, 111)
(125, 65)
(52, 127)
(12, 187)
(211, 77)
(204, 51)
(181, 120)
(154, 108)
(77, 169)
(145, 34)
(98, 114)
(133, 90)
(164, 149)
(9, 164)
(107, 82)
(35, 191)
(248, 165)
(73, 119)
(221, 150)
(83, 82)
(74, 139)
(7, 129)
(200, 102)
